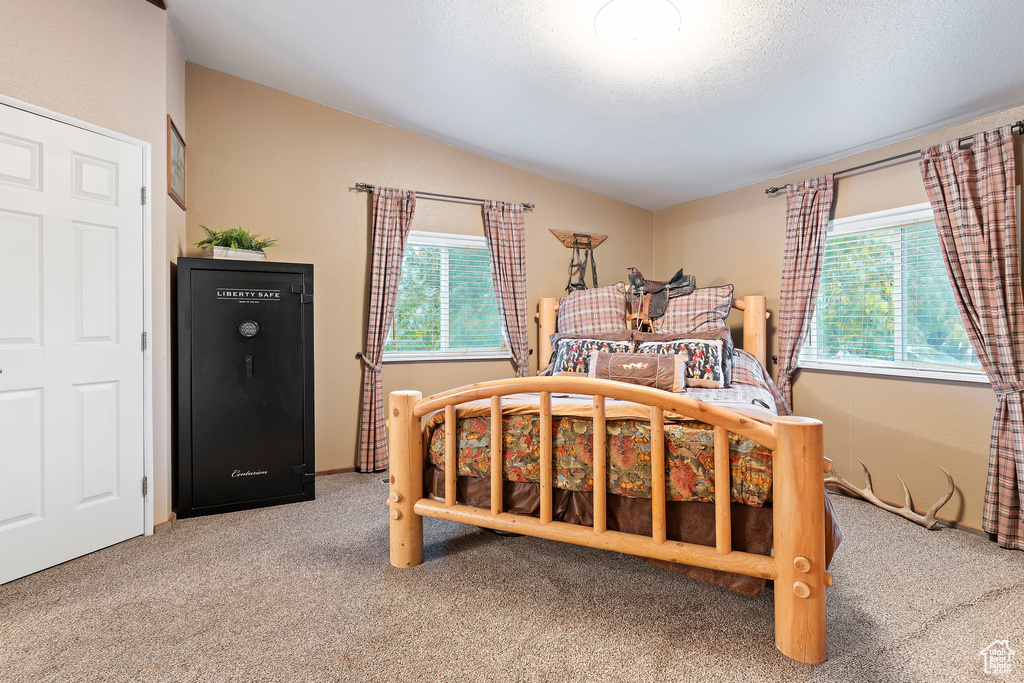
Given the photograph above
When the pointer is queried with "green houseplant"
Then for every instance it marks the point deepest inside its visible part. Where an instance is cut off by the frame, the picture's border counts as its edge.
(234, 243)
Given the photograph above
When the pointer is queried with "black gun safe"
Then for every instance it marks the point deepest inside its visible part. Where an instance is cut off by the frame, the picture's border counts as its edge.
(245, 385)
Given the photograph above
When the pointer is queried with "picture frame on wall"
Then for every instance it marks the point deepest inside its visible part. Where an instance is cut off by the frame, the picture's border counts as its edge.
(176, 167)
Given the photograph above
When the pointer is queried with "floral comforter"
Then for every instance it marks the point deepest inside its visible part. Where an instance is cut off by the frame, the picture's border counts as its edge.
(689, 446)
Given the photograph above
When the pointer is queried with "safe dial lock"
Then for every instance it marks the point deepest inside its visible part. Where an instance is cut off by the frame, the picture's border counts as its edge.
(249, 328)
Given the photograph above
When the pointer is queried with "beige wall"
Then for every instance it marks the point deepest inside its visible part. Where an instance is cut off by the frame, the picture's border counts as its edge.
(110, 63)
(903, 426)
(285, 167)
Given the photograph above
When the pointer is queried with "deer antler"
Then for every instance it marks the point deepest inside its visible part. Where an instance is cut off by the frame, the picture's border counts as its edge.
(928, 520)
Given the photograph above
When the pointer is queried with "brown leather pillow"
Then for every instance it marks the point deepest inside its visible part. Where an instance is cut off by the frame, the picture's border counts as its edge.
(666, 372)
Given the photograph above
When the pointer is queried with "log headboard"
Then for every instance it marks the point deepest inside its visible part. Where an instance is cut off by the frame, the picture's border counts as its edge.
(755, 316)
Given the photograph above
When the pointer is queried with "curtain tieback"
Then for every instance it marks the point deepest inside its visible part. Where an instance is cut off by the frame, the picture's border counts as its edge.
(368, 364)
(1007, 389)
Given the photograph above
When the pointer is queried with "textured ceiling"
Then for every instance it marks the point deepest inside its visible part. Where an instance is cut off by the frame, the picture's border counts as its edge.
(748, 90)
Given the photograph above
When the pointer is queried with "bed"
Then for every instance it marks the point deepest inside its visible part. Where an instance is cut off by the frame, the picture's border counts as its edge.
(622, 465)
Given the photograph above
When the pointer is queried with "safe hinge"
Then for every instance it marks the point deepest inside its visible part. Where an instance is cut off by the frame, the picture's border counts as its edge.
(301, 470)
(143, 196)
(301, 291)
(145, 486)
(145, 341)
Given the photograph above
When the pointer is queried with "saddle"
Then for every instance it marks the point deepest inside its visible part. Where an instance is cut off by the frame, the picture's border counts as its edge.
(650, 297)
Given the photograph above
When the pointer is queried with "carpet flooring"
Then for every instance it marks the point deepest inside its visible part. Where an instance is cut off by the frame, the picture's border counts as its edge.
(304, 592)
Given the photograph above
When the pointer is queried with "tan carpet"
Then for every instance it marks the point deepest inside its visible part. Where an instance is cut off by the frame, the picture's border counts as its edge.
(305, 592)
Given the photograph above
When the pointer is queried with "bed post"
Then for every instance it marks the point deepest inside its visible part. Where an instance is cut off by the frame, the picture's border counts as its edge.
(798, 502)
(755, 324)
(547, 324)
(405, 449)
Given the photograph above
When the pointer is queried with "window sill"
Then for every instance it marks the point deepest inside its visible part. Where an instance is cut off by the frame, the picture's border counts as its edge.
(967, 376)
(428, 356)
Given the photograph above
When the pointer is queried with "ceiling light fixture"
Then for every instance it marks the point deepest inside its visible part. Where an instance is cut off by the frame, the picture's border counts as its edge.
(637, 25)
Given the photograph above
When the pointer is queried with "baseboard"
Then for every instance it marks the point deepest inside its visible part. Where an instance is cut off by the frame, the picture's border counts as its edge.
(340, 470)
(174, 516)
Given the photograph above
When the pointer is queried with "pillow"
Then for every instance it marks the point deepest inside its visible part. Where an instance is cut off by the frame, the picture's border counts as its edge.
(702, 309)
(556, 339)
(664, 372)
(703, 359)
(573, 355)
(593, 311)
(723, 333)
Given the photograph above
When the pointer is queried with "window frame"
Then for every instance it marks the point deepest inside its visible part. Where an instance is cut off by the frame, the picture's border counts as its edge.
(866, 223)
(448, 241)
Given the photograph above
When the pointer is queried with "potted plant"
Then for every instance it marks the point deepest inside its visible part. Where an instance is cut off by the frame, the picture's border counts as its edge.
(234, 243)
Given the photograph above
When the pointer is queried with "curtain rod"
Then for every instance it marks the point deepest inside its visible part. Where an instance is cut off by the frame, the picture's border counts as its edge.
(1017, 127)
(370, 188)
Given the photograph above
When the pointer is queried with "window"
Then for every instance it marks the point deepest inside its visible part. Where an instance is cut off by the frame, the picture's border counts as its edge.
(885, 304)
(446, 306)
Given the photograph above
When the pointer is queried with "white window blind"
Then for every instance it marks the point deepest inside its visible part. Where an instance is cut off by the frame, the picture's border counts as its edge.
(446, 307)
(885, 303)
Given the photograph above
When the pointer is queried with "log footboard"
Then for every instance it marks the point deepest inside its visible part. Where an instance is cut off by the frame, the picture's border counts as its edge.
(798, 564)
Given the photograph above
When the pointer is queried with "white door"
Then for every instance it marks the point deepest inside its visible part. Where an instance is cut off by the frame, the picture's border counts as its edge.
(71, 360)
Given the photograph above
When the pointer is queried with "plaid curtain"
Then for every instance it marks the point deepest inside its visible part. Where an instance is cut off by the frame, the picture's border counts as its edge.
(505, 229)
(392, 217)
(972, 194)
(808, 206)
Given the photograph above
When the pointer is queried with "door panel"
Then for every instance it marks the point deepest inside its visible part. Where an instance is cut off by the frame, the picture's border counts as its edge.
(71, 363)
(21, 423)
(20, 162)
(97, 450)
(95, 283)
(21, 271)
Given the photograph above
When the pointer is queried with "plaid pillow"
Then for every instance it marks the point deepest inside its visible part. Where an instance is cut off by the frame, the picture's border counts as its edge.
(703, 359)
(702, 309)
(593, 311)
(573, 355)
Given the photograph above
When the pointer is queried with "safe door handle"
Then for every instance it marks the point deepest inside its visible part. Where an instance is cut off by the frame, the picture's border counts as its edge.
(248, 366)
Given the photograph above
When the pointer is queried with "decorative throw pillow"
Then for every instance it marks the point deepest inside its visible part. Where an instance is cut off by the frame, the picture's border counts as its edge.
(702, 309)
(660, 371)
(573, 355)
(703, 359)
(593, 311)
(722, 333)
(557, 339)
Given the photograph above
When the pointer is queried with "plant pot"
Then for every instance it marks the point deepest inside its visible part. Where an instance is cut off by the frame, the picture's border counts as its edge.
(234, 254)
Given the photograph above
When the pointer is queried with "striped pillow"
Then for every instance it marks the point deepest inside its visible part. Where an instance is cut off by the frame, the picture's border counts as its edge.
(702, 309)
(593, 311)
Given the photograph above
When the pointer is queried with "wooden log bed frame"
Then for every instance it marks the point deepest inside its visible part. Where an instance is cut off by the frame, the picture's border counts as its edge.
(798, 564)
